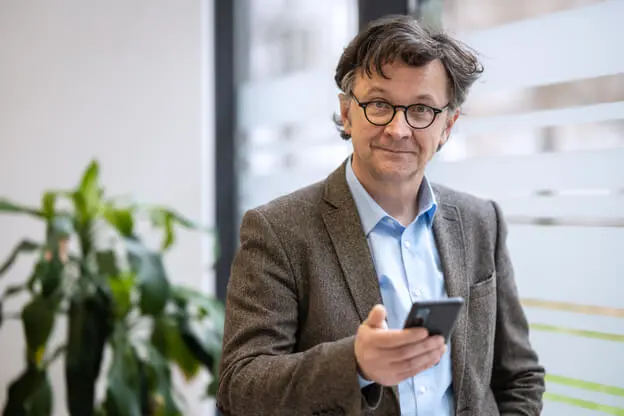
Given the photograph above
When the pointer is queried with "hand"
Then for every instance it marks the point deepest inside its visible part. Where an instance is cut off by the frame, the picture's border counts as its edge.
(388, 356)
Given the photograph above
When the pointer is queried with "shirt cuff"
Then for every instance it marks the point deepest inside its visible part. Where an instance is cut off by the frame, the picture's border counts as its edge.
(363, 382)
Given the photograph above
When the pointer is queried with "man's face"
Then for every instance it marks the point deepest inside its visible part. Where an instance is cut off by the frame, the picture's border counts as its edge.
(397, 152)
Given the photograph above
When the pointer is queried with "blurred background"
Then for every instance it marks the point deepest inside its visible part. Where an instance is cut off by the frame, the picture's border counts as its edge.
(216, 106)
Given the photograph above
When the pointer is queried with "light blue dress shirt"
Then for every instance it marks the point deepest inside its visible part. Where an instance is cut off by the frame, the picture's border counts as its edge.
(408, 267)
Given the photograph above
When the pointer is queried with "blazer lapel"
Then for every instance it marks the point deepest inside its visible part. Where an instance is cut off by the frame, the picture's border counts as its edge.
(345, 230)
(448, 232)
(344, 226)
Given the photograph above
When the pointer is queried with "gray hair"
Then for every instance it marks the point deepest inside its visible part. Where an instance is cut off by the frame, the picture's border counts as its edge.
(402, 37)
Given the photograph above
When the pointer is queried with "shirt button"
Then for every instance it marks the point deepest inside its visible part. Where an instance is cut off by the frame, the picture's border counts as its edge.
(407, 244)
(422, 390)
(416, 293)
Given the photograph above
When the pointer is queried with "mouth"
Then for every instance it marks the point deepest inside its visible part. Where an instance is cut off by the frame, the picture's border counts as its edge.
(395, 151)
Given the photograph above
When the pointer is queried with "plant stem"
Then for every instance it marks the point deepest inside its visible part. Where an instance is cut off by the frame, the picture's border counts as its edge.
(53, 357)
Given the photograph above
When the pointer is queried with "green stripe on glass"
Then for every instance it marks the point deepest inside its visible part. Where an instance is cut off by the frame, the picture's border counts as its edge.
(579, 332)
(585, 385)
(573, 307)
(610, 410)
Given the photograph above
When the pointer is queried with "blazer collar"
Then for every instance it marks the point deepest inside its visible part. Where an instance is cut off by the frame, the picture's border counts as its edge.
(449, 235)
(345, 230)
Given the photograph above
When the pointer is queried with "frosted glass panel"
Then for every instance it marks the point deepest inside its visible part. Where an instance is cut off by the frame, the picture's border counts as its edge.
(557, 47)
(543, 135)
(287, 98)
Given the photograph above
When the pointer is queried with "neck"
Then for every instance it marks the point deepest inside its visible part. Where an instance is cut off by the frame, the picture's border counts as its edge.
(399, 199)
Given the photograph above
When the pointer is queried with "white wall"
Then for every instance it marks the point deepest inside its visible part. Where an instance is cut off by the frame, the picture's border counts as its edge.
(126, 82)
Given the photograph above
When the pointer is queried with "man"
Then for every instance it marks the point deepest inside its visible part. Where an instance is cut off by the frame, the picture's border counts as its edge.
(325, 277)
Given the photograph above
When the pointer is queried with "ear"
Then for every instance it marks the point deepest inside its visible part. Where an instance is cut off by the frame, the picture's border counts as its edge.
(345, 105)
(446, 133)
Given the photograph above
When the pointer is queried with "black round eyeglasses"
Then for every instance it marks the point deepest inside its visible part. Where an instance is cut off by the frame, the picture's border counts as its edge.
(381, 113)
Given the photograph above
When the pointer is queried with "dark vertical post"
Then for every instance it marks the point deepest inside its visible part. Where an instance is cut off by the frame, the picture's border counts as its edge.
(369, 10)
(225, 155)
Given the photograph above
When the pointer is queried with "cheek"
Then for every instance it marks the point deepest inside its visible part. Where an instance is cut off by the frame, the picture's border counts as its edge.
(428, 142)
(364, 133)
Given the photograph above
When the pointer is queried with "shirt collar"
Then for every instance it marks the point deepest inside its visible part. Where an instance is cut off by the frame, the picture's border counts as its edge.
(370, 211)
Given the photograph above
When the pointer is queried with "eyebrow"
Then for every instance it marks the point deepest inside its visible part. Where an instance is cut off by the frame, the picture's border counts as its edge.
(375, 89)
(427, 97)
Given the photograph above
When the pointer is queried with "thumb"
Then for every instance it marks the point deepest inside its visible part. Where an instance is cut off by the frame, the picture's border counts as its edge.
(377, 317)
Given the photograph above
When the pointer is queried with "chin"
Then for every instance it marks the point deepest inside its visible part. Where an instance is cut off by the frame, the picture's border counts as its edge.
(396, 173)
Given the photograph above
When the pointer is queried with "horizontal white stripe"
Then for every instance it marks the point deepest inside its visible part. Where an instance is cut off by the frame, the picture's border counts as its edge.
(261, 189)
(562, 319)
(293, 99)
(573, 44)
(558, 117)
(588, 395)
(588, 359)
(569, 264)
(582, 207)
(511, 175)
(553, 408)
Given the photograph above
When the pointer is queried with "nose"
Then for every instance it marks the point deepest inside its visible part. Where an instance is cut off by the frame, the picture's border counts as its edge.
(398, 128)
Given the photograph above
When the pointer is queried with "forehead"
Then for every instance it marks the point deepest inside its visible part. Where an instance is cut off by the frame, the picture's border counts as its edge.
(404, 83)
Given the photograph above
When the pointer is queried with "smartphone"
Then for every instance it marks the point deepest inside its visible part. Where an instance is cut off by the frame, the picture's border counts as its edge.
(437, 316)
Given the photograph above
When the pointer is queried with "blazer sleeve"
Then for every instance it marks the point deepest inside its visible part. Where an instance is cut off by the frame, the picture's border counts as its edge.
(260, 372)
(517, 377)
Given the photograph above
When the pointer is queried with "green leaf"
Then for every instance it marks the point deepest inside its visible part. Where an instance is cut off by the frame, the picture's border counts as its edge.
(89, 327)
(89, 185)
(207, 348)
(163, 219)
(121, 289)
(10, 207)
(123, 392)
(37, 320)
(169, 237)
(167, 219)
(154, 286)
(206, 353)
(40, 403)
(88, 196)
(120, 219)
(100, 411)
(107, 262)
(159, 336)
(213, 386)
(26, 246)
(48, 204)
(144, 387)
(167, 339)
(210, 306)
(50, 273)
(165, 404)
(21, 392)
(39, 270)
(159, 213)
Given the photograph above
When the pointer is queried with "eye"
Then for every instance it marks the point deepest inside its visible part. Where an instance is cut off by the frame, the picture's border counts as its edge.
(419, 108)
(380, 105)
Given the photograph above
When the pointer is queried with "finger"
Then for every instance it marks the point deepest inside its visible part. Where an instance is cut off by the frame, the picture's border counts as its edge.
(376, 317)
(394, 338)
(417, 365)
(428, 358)
(410, 351)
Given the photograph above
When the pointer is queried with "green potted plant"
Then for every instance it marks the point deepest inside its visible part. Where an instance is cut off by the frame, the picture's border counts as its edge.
(93, 268)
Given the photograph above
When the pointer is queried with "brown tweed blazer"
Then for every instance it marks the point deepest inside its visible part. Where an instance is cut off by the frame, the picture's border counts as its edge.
(303, 280)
